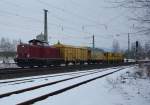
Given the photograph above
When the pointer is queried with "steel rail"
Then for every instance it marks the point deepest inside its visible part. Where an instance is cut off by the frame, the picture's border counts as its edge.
(47, 84)
(31, 101)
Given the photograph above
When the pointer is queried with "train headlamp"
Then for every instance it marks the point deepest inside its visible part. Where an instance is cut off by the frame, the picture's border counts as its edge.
(28, 55)
(22, 46)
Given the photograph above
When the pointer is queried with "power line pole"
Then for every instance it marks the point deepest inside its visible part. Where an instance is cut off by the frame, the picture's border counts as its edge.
(128, 45)
(45, 26)
(93, 41)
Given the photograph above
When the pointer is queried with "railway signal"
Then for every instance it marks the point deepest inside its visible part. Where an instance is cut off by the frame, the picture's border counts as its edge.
(136, 49)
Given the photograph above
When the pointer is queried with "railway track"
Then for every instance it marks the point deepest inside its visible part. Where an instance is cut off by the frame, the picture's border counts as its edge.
(54, 88)
(9, 73)
(26, 79)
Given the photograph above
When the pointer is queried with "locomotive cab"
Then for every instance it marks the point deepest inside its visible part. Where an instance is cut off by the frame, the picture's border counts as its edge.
(22, 51)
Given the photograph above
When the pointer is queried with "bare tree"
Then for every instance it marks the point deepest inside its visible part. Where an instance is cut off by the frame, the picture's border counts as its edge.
(116, 46)
(7, 49)
(147, 49)
(8, 46)
(5, 44)
(138, 52)
(140, 13)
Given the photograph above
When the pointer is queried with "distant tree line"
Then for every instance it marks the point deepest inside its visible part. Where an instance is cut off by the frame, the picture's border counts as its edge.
(8, 47)
(141, 52)
(140, 13)
(140, 16)
(116, 46)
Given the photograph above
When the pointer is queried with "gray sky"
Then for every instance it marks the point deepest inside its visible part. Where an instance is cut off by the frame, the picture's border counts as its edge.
(69, 21)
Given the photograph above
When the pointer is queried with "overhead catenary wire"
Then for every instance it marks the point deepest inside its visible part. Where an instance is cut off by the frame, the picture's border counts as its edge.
(58, 26)
(45, 3)
(65, 28)
(67, 12)
(38, 20)
(11, 3)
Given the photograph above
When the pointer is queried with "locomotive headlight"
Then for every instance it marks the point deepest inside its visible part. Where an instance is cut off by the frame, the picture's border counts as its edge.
(22, 46)
(28, 55)
(17, 56)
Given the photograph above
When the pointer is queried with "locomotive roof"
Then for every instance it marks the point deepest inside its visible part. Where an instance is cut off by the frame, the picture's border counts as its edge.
(38, 42)
(35, 40)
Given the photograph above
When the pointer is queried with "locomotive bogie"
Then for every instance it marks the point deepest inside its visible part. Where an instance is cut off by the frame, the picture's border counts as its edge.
(37, 62)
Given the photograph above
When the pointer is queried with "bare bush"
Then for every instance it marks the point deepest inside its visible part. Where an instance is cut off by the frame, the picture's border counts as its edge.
(143, 71)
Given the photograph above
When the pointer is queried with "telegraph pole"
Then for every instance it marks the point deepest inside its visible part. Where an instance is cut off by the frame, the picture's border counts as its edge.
(128, 45)
(45, 26)
(93, 41)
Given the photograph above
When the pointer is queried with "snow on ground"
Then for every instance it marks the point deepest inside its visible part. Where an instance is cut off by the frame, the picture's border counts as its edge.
(13, 99)
(7, 63)
(34, 81)
(110, 90)
(50, 76)
(120, 88)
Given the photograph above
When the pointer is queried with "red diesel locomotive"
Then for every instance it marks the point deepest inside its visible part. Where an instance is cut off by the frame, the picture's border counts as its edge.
(37, 53)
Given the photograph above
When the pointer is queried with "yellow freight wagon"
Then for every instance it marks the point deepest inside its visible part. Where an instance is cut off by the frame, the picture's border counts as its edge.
(97, 56)
(116, 57)
(119, 57)
(72, 53)
(109, 57)
(113, 57)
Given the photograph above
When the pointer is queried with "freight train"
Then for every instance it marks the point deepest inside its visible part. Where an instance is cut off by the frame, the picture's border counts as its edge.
(38, 53)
